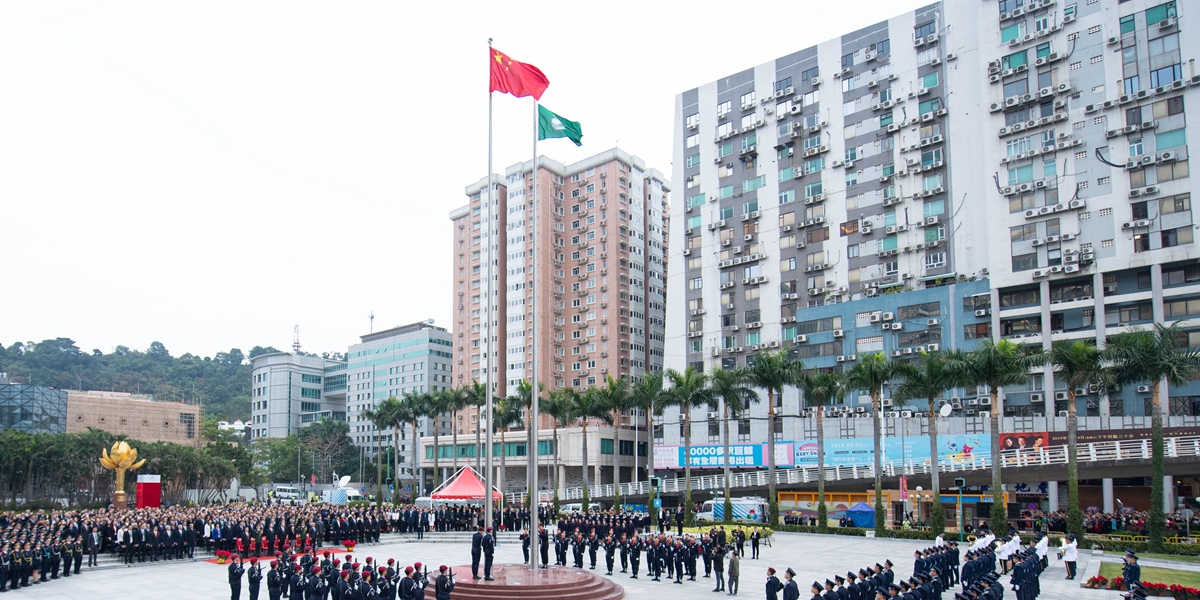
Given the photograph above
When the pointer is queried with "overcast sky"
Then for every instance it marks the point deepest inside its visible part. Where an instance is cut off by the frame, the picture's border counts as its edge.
(209, 174)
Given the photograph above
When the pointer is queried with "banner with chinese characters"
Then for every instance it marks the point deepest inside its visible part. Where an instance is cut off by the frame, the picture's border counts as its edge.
(712, 456)
(957, 449)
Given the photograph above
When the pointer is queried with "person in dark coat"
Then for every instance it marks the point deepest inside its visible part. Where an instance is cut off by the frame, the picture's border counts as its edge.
(773, 584)
(235, 577)
(445, 582)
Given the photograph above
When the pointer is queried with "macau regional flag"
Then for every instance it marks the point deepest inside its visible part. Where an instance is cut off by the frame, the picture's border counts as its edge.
(551, 125)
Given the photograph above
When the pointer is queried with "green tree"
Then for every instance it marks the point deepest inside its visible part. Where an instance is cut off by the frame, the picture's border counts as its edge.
(820, 390)
(688, 390)
(647, 395)
(1079, 364)
(616, 396)
(1154, 356)
(871, 373)
(773, 371)
(506, 414)
(436, 404)
(928, 379)
(380, 419)
(735, 395)
(329, 441)
(590, 405)
(996, 365)
(475, 394)
(559, 405)
(411, 408)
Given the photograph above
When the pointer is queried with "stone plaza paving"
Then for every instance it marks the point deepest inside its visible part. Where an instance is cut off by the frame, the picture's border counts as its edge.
(813, 557)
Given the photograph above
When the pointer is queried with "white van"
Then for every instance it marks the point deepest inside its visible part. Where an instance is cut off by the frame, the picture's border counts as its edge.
(577, 506)
(284, 492)
(353, 495)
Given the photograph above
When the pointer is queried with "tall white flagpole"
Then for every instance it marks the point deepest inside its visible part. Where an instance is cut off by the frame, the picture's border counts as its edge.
(531, 470)
(487, 308)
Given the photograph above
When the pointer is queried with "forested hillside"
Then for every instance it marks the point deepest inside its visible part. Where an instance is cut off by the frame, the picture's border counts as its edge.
(221, 383)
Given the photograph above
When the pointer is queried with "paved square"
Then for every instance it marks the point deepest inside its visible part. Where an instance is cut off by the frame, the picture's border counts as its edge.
(811, 556)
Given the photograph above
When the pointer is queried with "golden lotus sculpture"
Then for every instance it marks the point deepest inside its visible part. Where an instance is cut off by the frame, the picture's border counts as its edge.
(120, 458)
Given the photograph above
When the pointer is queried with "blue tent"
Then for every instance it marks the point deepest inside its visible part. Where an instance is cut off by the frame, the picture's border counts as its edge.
(861, 515)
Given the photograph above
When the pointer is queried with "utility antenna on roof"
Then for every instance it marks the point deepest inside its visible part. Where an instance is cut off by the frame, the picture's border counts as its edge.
(296, 338)
(372, 317)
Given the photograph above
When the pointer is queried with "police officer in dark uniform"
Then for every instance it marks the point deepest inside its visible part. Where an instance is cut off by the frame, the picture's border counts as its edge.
(445, 583)
(235, 577)
(489, 547)
(476, 552)
(543, 546)
(635, 554)
(791, 591)
(254, 577)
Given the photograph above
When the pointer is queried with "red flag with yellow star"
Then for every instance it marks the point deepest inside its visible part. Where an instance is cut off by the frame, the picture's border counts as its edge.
(516, 78)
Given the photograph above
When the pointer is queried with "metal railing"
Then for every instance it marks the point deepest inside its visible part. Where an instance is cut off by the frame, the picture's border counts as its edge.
(1117, 450)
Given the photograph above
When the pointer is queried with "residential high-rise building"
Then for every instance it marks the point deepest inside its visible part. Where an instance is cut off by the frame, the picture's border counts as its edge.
(291, 391)
(1011, 169)
(601, 254)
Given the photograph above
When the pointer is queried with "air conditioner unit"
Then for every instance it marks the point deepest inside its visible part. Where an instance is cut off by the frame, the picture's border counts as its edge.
(887, 316)
(932, 322)
(1143, 389)
(983, 312)
(985, 401)
(1060, 395)
(875, 318)
(800, 339)
(887, 402)
(1167, 155)
(933, 347)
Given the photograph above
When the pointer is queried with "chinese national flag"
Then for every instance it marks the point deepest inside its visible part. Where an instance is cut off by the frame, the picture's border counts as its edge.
(516, 78)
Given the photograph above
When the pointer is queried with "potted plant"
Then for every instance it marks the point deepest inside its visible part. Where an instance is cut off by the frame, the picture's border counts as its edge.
(222, 556)
(1098, 582)
(349, 544)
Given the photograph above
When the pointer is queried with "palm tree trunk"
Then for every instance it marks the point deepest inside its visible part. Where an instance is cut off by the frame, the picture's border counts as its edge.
(437, 471)
(378, 468)
(772, 498)
(1157, 518)
(396, 456)
(728, 500)
(556, 448)
(649, 468)
(822, 511)
(687, 461)
(999, 528)
(586, 494)
(454, 437)
(478, 443)
(418, 483)
(937, 515)
(877, 423)
(1073, 511)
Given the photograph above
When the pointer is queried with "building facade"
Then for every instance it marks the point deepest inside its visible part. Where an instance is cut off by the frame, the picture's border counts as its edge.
(967, 170)
(32, 408)
(403, 360)
(602, 226)
(137, 416)
(291, 391)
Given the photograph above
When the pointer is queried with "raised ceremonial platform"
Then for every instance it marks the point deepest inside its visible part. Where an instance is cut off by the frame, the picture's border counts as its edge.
(518, 582)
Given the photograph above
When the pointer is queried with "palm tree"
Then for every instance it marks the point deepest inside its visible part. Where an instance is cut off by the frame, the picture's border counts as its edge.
(559, 405)
(735, 395)
(455, 400)
(616, 397)
(475, 394)
(589, 405)
(819, 389)
(412, 408)
(689, 390)
(647, 396)
(380, 418)
(1079, 363)
(394, 416)
(436, 404)
(995, 364)
(1154, 356)
(872, 372)
(506, 414)
(927, 379)
(773, 371)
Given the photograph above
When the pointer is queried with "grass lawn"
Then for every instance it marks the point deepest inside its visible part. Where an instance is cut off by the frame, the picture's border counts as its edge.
(1173, 557)
(1156, 575)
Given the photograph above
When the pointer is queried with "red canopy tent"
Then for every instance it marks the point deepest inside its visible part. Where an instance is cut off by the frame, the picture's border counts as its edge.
(465, 485)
